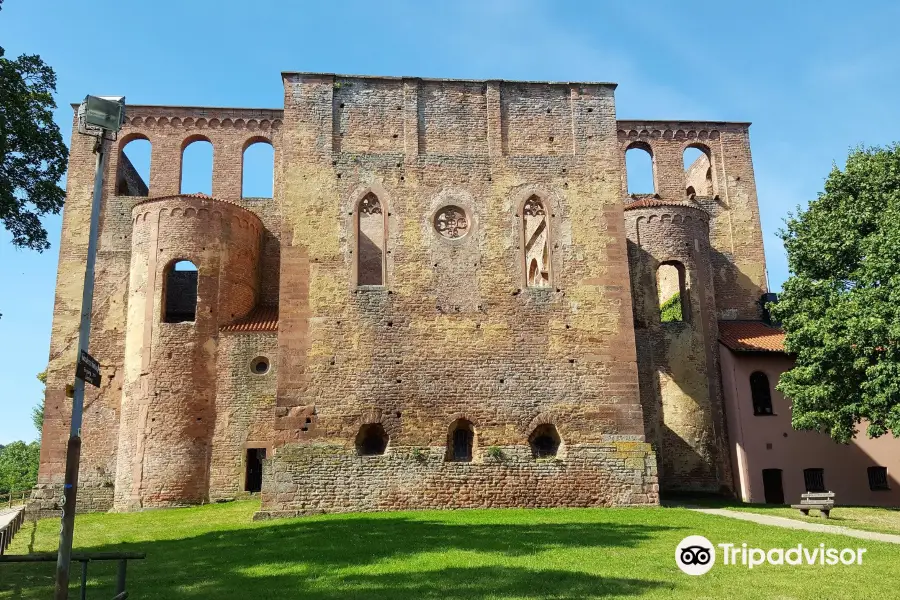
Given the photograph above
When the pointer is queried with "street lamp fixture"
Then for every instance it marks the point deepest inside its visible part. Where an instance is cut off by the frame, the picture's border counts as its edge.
(101, 117)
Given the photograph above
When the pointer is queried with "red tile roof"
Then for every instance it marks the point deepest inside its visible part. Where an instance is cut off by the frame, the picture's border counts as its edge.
(261, 318)
(751, 336)
(657, 202)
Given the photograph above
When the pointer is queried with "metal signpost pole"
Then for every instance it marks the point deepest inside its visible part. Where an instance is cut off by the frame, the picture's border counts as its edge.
(97, 117)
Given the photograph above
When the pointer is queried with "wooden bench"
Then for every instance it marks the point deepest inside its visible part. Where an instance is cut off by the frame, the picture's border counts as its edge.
(821, 501)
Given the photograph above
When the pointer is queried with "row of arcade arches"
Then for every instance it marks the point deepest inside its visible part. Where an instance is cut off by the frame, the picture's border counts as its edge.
(544, 440)
(257, 169)
(640, 170)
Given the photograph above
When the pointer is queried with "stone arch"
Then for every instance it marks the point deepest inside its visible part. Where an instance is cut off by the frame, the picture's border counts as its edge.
(371, 439)
(697, 159)
(181, 279)
(638, 172)
(133, 172)
(199, 173)
(370, 235)
(460, 440)
(671, 290)
(545, 441)
(258, 160)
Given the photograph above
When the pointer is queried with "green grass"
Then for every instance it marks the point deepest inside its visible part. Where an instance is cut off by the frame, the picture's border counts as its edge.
(866, 518)
(217, 552)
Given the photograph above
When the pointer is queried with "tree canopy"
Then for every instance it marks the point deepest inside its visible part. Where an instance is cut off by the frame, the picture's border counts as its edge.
(19, 466)
(840, 308)
(32, 153)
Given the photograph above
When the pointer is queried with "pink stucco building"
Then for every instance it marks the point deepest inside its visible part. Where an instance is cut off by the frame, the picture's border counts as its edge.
(771, 461)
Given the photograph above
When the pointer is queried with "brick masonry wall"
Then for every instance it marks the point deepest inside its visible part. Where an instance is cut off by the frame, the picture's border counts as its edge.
(678, 361)
(244, 406)
(168, 408)
(454, 332)
(735, 234)
(314, 478)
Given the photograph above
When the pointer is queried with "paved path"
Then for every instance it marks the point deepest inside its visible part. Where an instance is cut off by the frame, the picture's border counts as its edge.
(8, 514)
(793, 524)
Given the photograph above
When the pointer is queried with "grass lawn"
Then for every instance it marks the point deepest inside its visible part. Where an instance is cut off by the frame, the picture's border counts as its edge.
(217, 552)
(866, 518)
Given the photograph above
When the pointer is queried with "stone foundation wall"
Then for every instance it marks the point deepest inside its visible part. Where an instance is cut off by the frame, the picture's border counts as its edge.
(315, 478)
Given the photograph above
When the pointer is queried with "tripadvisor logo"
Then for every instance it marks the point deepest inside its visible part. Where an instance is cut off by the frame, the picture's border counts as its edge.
(696, 555)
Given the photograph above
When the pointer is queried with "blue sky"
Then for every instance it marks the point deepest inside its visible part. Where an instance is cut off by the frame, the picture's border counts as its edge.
(815, 78)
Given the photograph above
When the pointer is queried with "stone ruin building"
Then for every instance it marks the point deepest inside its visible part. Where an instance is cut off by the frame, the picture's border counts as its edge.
(451, 300)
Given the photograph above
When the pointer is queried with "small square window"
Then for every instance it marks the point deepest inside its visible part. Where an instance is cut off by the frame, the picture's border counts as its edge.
(814, 480)
(878, 478)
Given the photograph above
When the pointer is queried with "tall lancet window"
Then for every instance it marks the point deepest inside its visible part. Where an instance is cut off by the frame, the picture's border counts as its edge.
(370, 235)
(536, 243)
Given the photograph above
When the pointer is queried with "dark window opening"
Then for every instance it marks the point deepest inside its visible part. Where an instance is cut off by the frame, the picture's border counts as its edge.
(772, 486)
(761, 394)
(260, 365)
(371, 440)
(253, 479)
(878, 478)
(133, 172)
(814, 479)
(180, 292)
(462, 439)
(544, 441)
(670, 288)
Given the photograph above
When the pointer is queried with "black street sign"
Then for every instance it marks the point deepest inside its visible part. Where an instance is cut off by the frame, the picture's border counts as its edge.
(88, 369)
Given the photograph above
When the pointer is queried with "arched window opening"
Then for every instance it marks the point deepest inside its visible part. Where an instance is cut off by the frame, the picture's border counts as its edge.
(671, 289)
(544, 441)
(180, 292)
(133, 173)
(761, 394)
(536, 242)
(370, 235)
(639, 169)
(197, 167)
(461, 441)
(371, 440)
(697, 171)
(258, 171)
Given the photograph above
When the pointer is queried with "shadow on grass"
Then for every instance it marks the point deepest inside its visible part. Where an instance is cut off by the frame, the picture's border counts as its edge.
(367, 558)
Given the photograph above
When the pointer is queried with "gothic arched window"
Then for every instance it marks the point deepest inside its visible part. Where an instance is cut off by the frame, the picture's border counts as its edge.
(536, 243)
(370, 241)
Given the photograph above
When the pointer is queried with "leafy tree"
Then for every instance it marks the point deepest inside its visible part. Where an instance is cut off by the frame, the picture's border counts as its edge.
(32, 153)
(19, 466)
(840, 308)
(670, 310)
(37, 413)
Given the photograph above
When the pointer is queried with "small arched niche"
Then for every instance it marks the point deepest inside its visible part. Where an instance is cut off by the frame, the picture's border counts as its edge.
(180, 292)
(544, 441)
(697, 171)
(639, 169)
(536, 243)
(133, 171)
(671, 292)
(460, 441)
(371, 440)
